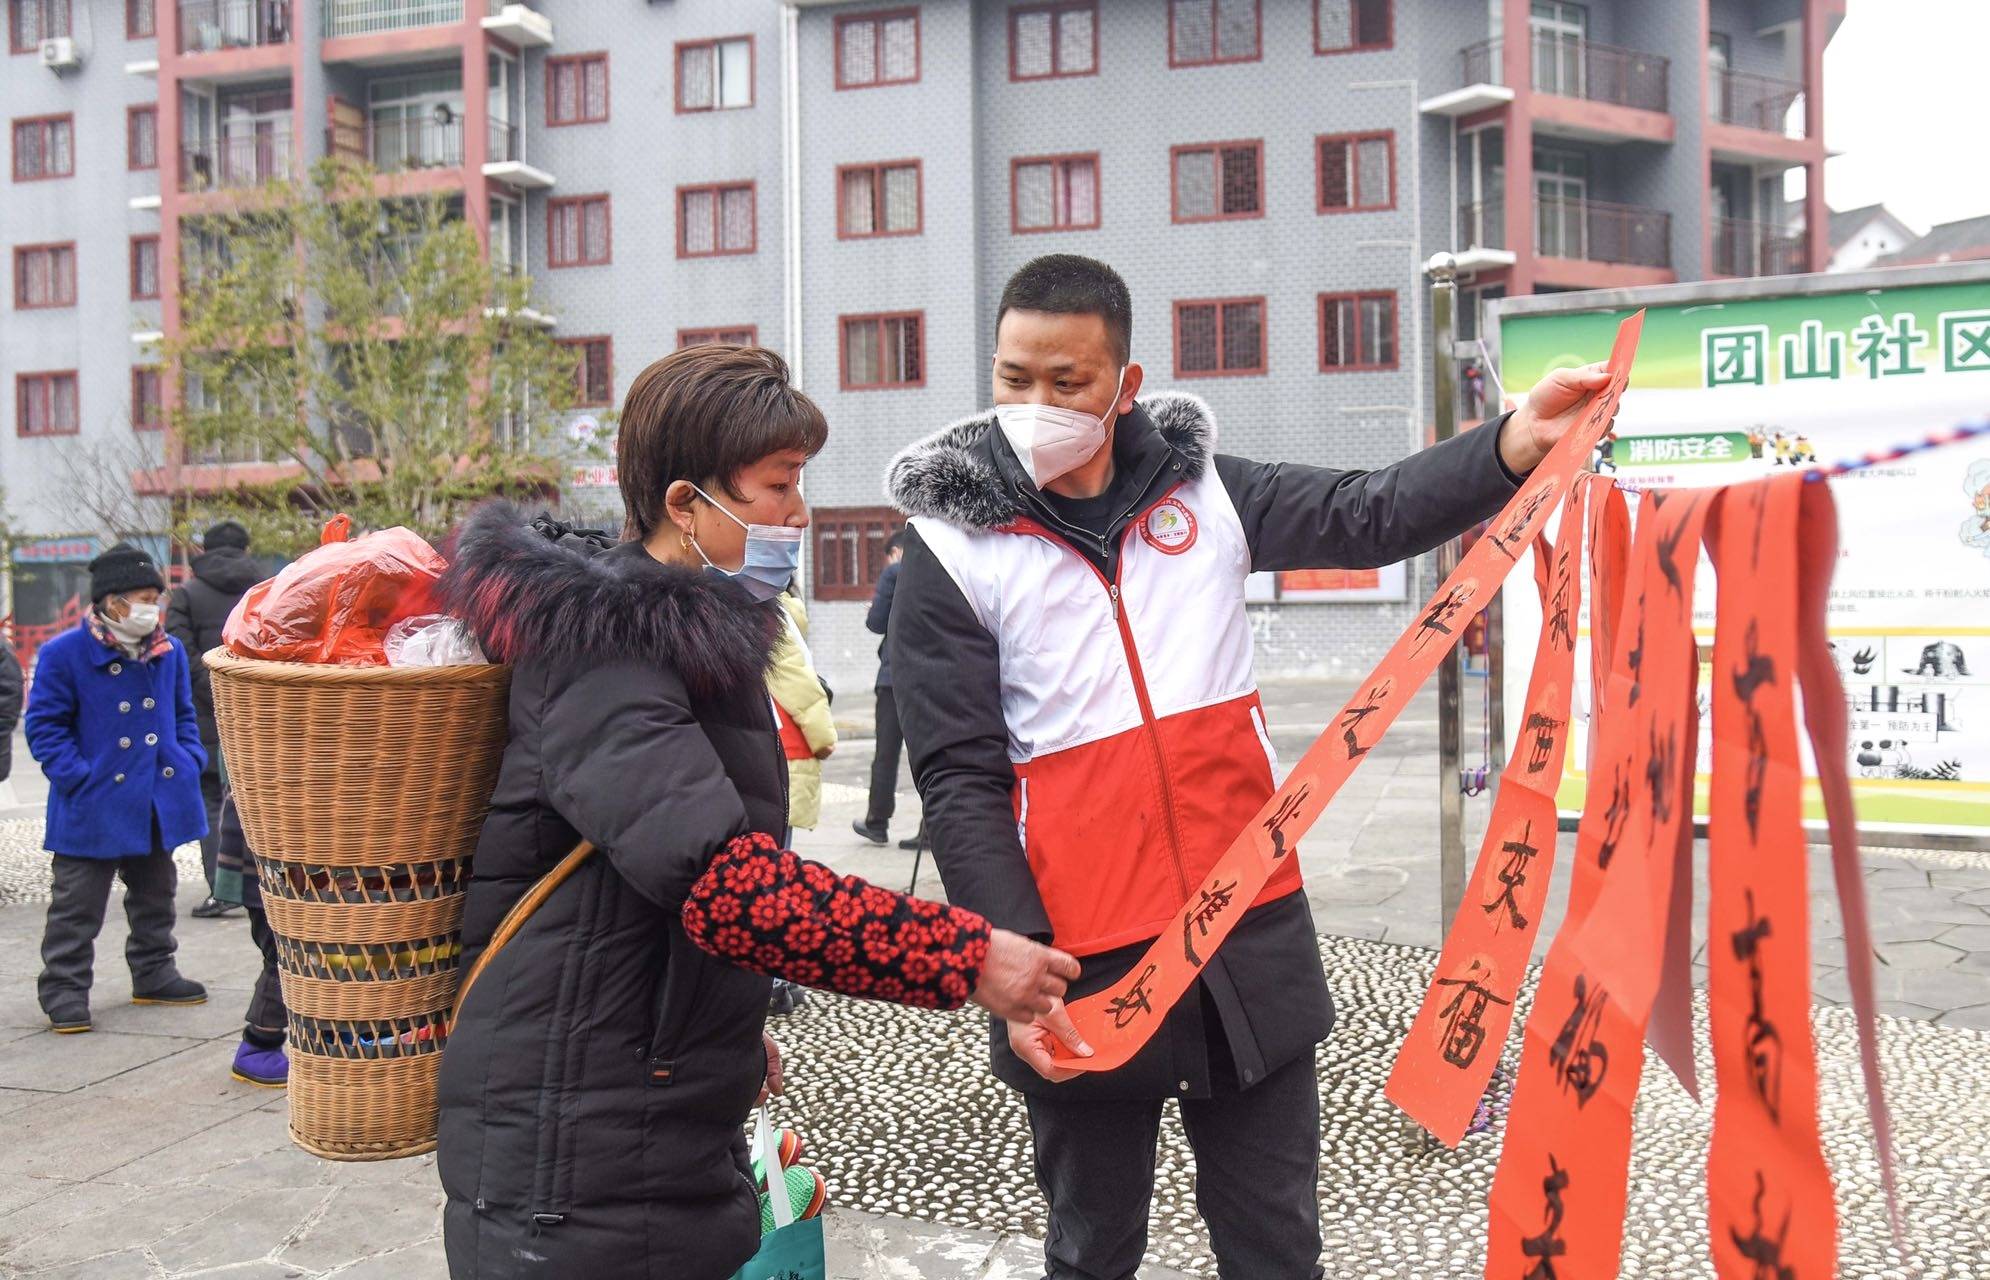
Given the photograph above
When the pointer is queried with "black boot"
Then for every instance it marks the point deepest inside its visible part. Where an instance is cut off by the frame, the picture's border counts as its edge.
(873, 832)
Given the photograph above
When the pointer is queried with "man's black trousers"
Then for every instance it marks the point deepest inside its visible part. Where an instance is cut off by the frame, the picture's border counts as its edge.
(884, 762)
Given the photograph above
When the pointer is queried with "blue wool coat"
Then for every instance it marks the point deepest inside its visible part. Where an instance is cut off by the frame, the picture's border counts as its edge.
(120, 745)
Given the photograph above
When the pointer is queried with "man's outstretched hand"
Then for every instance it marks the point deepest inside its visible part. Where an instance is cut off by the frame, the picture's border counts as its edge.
(1538, 425)
(1031, 1041)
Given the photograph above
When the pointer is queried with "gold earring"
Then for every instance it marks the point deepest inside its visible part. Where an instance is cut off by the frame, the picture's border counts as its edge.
(684, 541)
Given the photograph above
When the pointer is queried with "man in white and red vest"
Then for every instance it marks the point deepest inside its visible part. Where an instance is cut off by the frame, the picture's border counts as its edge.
(1072, 664)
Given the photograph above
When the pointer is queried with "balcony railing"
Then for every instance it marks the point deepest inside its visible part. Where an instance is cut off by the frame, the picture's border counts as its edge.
(207, 26)
(1756, 102)
(1745, 247)
(369, 17)
(1580, 69)
(400, 144)
(249, 160)
(504, 143)
(1600, 231)
(1482, 225)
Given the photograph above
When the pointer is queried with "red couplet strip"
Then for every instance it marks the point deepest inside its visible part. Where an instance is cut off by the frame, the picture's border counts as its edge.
(1769, 1206)
(1609, 545)
(1456, 1039)
(1118, 1021)
(1558, 1196)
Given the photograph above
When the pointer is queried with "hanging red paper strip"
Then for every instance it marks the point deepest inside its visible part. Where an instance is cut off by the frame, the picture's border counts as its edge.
(1118, 1021)
(1455, 1042)
(1558, 1197)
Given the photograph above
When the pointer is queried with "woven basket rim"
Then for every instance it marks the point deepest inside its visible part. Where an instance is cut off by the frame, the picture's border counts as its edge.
(219, 660)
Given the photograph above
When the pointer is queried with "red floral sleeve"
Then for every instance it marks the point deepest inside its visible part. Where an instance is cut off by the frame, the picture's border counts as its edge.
(766, 909)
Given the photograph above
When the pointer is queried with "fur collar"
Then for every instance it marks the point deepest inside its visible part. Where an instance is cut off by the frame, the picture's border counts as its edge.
(541, 590)
(953, 475)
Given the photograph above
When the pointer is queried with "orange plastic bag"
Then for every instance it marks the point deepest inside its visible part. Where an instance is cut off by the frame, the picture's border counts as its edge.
(334, 605)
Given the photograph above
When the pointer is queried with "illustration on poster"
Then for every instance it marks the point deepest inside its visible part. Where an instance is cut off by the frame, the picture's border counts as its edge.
(1976, 529)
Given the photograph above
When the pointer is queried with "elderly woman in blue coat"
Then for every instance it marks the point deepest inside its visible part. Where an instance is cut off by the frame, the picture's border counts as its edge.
(111, 722)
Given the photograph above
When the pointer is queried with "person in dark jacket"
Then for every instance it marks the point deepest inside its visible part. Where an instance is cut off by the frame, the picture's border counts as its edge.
(1071, 658)
(112, 725)
(595, 1083)
(875, 826)
(11, 682)
(195, 614)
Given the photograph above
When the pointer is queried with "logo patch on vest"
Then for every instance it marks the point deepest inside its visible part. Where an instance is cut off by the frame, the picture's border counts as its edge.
(1169, 528)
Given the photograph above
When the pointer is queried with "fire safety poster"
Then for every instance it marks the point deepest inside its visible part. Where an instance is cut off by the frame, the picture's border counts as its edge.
(1730, 389)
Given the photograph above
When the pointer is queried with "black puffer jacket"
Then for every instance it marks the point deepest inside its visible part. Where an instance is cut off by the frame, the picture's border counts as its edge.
(195, 614)
(10, 706)
(593, 1090)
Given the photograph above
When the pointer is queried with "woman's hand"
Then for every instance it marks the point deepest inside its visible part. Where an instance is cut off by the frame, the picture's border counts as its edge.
(826, 752)
(772, 1085)
(1021, 979)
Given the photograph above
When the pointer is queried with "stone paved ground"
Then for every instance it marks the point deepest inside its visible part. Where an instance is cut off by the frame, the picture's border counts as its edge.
(128, 1152)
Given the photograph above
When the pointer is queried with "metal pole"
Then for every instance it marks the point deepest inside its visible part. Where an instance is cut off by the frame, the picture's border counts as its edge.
(1443, 273)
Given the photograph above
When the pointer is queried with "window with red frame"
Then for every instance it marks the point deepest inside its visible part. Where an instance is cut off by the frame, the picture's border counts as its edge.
(45, 404)
(1357, 331)
(1357, 172)
(747, 336)
(877, 49)
(716, 220)
(1344, 26)
(148, 408)
(1204, 32)
(851, 544)
(594, 370)
(144, 267)
(715, 75)
(577, 231)
(44, 148)
(29, 22)
(1055, 193)
(1221, 180)
(1219, 337)
(44, 276)
(883, 351)
(878, 200)
(141, 138)
(140, 19)
(577, 89)
(1051, 40)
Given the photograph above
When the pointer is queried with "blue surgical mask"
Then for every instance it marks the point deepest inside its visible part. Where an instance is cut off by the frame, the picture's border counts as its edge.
(773, 555)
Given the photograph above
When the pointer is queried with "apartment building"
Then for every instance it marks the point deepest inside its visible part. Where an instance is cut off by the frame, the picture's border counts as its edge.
(851, 183)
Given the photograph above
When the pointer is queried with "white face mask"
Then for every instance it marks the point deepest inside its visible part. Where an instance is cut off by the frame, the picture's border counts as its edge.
(1051, 441)
(773, 555)
(141, 621)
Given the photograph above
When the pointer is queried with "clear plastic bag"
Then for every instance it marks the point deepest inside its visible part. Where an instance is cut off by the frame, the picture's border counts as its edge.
(433, 640)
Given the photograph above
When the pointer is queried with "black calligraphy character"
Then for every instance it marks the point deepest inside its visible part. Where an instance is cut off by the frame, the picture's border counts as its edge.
(1544, 729)
(1438, 620)
(1615, 818)
(1634, 658)
(1549, 1245)
(1512, 877)
(1765, 1043)
(1580, 1059)
(1668, 552)
(1660, 772)
(1137, 1000)
(1561, 627)
(1211, 903)
(1758, 1248)
(1509, 540)
(1761, 511)
(1288, 809)
(1464, 1032)
(1351, 718)
(1758, 670)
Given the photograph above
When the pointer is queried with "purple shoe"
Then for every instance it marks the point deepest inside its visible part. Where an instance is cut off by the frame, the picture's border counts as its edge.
(266, 1068)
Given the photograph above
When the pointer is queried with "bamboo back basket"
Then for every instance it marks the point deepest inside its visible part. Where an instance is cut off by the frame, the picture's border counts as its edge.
(361, 792)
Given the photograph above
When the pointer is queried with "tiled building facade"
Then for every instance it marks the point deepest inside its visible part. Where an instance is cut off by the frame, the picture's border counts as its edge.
(851, 184)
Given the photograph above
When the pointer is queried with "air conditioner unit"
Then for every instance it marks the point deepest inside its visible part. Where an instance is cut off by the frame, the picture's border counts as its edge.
(58, 53)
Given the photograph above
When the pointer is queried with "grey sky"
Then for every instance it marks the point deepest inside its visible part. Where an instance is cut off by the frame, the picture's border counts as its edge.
(1902, 80)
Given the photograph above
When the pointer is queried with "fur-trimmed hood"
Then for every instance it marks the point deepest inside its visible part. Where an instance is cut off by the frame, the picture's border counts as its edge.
(541, 589)
(957, 473)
